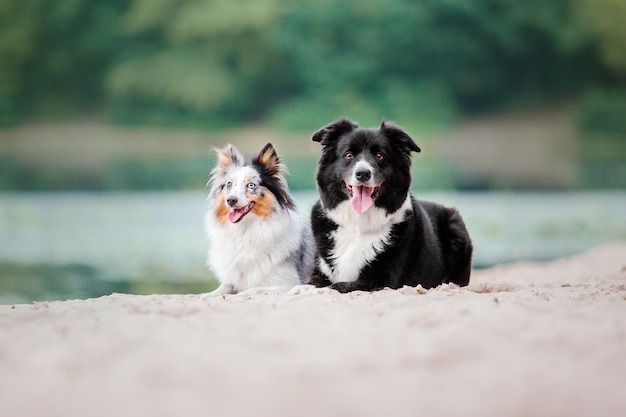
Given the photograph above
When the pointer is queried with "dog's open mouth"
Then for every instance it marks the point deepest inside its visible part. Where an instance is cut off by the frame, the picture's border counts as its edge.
(362, 197)
(236, 214)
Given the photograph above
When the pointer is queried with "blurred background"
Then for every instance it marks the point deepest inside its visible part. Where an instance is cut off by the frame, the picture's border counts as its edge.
(109, 110)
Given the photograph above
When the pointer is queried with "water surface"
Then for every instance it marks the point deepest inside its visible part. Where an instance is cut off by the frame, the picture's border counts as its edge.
(64, 245)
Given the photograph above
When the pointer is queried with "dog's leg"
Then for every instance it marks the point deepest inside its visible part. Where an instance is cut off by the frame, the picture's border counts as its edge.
(457, 247)
(358, 285)
(460, 275)
(223, 289)
(319, 279)
(273, 290)
(343, 287)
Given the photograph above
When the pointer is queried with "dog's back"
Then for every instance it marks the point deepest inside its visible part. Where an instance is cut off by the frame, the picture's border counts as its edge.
(440, 249)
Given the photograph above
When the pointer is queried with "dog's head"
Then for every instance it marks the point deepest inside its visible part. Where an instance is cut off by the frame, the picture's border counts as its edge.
(367, 166)
(238, 190)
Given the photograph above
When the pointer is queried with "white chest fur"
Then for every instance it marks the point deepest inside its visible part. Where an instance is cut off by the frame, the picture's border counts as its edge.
(358, 239)
(255, 252)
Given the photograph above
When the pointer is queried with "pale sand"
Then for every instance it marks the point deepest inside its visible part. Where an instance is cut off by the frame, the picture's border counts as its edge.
(522, 340)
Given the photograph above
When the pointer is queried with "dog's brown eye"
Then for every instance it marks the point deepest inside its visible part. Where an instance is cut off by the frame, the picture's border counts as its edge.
(379, 156)
(349, 155)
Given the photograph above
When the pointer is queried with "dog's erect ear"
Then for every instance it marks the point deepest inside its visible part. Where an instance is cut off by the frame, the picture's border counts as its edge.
(397, 134)
(227, 157)
(333, 131)
(269, 162)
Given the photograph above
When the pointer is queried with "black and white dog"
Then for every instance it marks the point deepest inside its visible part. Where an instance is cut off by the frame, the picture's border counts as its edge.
(370, 231)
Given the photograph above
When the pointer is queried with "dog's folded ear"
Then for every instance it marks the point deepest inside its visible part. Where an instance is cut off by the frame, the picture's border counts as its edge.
(227, 157)
(333, 131)
(397, 134)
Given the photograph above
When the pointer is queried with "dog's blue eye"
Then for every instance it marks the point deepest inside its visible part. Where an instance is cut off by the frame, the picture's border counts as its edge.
(229, 184)
(349, 155)
(251, 185)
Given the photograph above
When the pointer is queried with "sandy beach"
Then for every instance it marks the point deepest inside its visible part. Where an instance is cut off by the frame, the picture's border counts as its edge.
(523, 339)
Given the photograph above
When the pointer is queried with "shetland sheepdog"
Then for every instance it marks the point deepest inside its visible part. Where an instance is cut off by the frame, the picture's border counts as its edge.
(370, 231)
(257, 238)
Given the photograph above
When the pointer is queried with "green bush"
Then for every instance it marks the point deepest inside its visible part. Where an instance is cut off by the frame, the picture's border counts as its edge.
(206, 63)
(603, 112)
(17, 175)
(186, 173)
(603, 175)
(129, 112)
(24, 283)
(421, 106)
(601, 118)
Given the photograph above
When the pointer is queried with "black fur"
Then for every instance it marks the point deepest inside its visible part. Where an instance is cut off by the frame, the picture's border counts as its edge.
(268, 164)
(428, 245)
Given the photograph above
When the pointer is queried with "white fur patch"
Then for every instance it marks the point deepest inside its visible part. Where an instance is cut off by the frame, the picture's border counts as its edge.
(359, 238)
(374, 181)
(256, 252)
(238, 184)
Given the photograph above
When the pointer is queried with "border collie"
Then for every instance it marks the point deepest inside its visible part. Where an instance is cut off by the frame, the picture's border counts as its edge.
(370, 231)
(256, 236)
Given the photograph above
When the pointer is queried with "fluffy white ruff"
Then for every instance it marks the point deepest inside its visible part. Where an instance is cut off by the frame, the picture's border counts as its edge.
(256, 252)
(359, 238)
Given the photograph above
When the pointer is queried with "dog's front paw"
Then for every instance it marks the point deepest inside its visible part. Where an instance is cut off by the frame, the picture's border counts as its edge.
(309, 290)
(209, 295)
(319, 279)
(223, 289)
(342, 287)
(302, 289)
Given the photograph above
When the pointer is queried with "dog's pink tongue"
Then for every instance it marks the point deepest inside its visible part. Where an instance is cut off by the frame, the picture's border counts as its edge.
(235, 215)
(361, 198)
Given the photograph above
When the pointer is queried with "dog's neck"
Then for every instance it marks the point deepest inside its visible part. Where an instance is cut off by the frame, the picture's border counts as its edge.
(373, 220)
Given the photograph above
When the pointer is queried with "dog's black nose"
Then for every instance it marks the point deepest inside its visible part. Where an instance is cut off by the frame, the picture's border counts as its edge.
(363, 175)
(231, 201)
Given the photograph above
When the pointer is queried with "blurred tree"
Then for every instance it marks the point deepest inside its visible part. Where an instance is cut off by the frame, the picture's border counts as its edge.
(18, 35)
(198, 59)
(605, 20)
(427, 59)
(300, 62)
(53, 55)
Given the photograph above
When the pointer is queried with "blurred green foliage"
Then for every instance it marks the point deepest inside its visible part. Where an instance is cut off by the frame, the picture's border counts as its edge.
(424, 61)
(127, 174)
(197, 60)
(25, 283)
(54, 55)
(604, 23)
(601, 118)
(603, 112)
(214, 63)
(170, 174)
